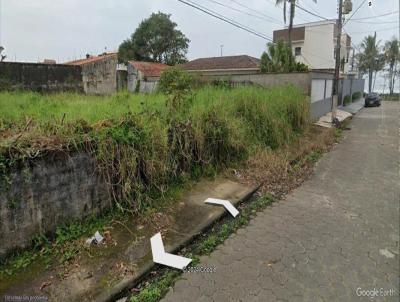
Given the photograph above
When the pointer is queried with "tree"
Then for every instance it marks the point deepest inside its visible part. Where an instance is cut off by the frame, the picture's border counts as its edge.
(370, 60)
(279, 58)
(155, 40)
(392, 57)
(292, 8)
(2, 57)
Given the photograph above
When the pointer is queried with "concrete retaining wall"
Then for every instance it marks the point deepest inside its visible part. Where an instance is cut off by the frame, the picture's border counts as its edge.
(40, 77)
(54, 191)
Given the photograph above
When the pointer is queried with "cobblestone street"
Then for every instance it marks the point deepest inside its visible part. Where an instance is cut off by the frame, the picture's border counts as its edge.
(335, 238)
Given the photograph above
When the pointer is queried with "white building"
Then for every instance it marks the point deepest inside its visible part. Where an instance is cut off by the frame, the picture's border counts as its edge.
(314, 45)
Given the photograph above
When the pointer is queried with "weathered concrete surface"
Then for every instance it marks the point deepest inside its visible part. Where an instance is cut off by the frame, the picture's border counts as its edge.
(40, 77)
(104, 271)
(336, 233)
(52, 191)
(100, 77)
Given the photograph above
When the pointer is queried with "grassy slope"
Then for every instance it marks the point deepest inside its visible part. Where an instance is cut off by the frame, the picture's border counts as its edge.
(145, 143)
(19, 105)
(146, 153)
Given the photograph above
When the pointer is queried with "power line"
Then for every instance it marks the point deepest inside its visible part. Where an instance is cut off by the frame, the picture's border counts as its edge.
(274, 4)
(243, 12)
(367, 22)
(358, 8)
(225, 19)
(314, 10)
(368, 31)
(311, 13)
(386, 14)
(256, 11)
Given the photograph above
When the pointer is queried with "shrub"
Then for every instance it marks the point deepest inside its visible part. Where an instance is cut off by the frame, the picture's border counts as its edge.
(347, 100)
(356, 95)
(175, 79)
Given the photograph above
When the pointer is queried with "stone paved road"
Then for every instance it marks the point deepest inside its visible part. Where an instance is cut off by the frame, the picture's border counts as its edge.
(337, 233)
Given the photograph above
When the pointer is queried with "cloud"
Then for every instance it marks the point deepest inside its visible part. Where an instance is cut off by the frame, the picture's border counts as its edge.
(64, 30)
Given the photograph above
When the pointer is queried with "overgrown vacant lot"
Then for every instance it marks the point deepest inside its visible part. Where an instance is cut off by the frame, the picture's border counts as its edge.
(145, 143)
(148, 148)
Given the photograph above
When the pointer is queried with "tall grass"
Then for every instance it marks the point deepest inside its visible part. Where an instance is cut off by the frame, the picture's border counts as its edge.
(140, 144)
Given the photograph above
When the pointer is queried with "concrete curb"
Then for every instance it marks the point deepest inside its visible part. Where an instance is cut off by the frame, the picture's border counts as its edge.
(118, 290)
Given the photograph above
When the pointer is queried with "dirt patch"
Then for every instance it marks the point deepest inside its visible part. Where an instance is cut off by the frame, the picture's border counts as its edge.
(280, 171)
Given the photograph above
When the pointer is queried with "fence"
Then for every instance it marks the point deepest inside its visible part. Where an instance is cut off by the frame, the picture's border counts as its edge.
(40, 77)
(347, 87)
(321, 94)
(317, 85)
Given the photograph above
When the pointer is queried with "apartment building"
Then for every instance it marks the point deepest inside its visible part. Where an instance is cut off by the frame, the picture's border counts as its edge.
(314, 44)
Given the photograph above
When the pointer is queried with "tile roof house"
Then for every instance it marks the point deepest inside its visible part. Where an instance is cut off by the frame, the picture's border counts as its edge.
(92, 59)
(144, 76)
(228, 65)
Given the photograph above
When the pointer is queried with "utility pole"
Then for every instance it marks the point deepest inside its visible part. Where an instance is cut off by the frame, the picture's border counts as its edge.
(335, 88)
(352, 60)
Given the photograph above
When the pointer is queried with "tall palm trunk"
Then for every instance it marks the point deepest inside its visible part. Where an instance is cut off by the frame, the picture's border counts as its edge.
(391, 78)
(292, 9)
(370, 76)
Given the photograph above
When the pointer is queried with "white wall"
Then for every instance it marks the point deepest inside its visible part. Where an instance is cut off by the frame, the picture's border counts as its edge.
(318, 48)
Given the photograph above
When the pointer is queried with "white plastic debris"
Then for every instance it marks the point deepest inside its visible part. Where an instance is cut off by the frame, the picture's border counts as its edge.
(97, 238)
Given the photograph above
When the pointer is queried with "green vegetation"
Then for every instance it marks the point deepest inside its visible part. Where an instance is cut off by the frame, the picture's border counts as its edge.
(158, 287)
(356, 95)
(392, 58)
(395, 97)
(347, 100)
(370, 60)
(63, 246)
(175, 79)
(145, 145)
(279, 58)
(156, 39)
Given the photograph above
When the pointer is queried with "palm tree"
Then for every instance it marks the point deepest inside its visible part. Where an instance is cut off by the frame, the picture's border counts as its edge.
(392, 56)
(292, 11)
(370, 60)
(279, 58)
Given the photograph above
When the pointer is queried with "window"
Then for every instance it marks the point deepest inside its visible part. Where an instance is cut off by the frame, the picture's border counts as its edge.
(297, 51)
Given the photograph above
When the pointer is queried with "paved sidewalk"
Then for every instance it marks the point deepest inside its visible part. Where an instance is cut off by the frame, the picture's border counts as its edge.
(354, 107)
(333, 239)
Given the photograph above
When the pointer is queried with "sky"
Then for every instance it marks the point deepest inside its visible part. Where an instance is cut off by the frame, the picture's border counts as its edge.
(33, 30)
